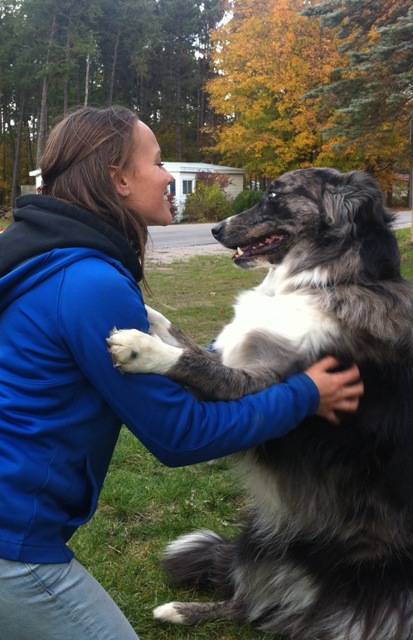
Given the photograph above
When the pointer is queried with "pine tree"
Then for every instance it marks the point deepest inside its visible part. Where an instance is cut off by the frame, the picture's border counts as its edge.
(373, 92)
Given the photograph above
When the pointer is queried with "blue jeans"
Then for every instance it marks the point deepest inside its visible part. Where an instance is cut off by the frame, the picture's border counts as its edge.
(57, 602)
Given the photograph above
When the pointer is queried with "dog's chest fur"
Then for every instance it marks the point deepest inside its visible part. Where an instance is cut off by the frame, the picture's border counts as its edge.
(285, 321)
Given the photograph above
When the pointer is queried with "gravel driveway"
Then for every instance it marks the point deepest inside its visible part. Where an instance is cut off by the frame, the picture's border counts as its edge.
(169, 254)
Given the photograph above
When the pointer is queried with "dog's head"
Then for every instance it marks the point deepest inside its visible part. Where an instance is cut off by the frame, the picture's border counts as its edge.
(313, 212)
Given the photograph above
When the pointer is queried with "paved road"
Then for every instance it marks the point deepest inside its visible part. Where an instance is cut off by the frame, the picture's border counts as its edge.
(403, 219)
(182, 235)
(194, 235)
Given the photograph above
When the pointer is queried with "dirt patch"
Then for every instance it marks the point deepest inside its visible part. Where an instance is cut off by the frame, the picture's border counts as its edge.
(170, 254)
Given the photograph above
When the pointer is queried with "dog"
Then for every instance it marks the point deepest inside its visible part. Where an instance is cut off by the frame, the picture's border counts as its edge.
(326, 549)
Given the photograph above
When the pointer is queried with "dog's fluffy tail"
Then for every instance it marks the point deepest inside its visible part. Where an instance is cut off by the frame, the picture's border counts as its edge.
(203, 559)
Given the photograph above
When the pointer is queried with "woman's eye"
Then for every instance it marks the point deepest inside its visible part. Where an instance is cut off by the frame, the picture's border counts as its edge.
(160, 164)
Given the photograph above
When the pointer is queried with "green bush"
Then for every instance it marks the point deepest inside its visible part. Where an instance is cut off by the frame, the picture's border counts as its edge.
(209, 202)
(246, 199)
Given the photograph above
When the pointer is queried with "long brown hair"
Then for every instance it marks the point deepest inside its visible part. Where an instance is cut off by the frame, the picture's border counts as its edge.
(76, 161)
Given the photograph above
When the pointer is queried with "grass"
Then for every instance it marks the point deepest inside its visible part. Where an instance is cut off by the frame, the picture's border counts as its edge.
(4, 223)
(406, 253)
(197, 295)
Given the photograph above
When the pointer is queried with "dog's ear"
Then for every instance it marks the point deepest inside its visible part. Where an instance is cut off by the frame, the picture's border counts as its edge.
(353, 200)
(354, 209)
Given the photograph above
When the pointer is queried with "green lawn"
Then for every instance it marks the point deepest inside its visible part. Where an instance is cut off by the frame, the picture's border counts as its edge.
(143, 504)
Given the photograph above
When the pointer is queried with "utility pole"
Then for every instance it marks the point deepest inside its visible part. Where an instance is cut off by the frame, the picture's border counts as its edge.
(411, 175)
(87, 79)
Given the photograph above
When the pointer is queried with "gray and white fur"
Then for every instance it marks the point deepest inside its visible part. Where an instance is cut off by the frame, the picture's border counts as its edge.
(326, 550)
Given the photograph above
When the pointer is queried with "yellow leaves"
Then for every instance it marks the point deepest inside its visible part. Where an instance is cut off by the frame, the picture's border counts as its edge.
(270, 57)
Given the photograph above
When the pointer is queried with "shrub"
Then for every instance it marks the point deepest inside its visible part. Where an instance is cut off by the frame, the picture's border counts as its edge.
(174, 208)
(246, 199)
(208, 203)
(210, 178)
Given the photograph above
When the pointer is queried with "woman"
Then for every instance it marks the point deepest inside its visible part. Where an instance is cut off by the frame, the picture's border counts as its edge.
(69, 267)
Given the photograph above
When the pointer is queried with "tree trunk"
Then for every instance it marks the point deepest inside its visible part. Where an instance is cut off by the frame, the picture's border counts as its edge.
(66, 80)
(115, 55)
(3, 140)
(178, 117)
(113, 72)
(42, 132)
(16, 163)
(87, 79)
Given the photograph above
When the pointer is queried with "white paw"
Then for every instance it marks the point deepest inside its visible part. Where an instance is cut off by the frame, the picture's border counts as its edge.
(133, 351)
(168, 613)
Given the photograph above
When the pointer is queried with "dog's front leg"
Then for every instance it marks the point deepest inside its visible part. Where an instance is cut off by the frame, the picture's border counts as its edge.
(165, 330)
(135, 352)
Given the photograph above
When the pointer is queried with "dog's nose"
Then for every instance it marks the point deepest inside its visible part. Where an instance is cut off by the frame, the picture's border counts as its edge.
(217, 230)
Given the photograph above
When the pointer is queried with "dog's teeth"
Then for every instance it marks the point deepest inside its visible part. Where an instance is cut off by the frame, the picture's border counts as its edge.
(239, 251)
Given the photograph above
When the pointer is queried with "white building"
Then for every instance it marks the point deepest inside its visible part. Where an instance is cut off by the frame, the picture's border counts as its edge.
(185, 179)
(38, 177)
(185, 174)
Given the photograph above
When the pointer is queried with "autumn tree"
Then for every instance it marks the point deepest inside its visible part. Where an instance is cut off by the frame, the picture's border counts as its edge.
(267, 57)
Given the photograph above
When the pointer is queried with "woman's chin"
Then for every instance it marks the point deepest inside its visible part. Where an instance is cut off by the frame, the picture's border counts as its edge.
(161, 219)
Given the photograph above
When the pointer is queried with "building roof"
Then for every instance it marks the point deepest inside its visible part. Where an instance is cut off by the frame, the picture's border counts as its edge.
(192, 167)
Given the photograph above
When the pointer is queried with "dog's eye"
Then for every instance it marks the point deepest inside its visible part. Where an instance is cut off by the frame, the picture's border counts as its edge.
(272, 195)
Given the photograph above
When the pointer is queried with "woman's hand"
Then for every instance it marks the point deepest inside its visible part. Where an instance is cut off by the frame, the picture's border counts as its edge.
(339, 390)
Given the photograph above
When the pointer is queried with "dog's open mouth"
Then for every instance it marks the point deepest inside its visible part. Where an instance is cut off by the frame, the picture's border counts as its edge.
(259, 247)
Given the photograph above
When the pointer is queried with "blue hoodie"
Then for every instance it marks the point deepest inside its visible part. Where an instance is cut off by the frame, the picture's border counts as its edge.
(66, 279)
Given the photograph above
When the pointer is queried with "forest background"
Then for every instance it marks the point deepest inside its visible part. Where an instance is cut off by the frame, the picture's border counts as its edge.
(269, 86)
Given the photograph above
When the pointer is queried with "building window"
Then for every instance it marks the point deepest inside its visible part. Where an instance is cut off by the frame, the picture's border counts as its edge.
(186, 187)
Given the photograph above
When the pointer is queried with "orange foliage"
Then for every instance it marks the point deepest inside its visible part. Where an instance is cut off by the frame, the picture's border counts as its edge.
(267, 57)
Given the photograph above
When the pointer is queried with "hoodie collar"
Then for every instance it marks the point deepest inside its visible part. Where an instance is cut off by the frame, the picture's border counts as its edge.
(42, 223)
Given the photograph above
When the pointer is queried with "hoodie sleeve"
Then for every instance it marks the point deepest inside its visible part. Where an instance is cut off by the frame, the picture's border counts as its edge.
(97, 296)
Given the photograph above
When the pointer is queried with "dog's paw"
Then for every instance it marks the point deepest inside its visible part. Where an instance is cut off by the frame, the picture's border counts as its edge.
(169, 613)
(124, 349)
(133, 351)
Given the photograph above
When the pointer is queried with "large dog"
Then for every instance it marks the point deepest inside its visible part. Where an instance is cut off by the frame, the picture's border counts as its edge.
(326, 551)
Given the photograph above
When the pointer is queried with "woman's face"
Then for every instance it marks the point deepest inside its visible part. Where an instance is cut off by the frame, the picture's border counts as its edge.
(144, 185)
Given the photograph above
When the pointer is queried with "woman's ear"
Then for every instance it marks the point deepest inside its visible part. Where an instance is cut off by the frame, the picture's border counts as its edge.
(120, 182)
